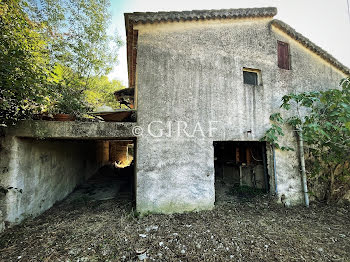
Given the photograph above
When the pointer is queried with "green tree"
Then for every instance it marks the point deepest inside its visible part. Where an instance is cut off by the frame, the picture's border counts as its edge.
(51, 52)
(323, 117)
(100, 92)
(68, 96)
(24, 66)
(79, 45)
(78, 33)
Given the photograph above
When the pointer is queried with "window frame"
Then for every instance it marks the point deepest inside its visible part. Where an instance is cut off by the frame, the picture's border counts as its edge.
(253, 70)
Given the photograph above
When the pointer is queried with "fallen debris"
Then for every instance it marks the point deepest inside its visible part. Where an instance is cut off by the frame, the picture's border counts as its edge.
(254, 230)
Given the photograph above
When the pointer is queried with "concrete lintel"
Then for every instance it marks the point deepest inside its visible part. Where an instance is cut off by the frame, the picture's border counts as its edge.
(71, 130)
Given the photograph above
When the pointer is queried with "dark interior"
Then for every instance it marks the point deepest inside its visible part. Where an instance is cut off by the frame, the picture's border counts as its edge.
(240, 164)
(115, 176)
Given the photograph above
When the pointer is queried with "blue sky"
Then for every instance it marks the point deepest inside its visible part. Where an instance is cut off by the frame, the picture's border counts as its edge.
(324, 22)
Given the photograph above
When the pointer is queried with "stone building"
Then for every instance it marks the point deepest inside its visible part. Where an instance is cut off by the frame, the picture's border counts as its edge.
(224, 67)
(205, 84)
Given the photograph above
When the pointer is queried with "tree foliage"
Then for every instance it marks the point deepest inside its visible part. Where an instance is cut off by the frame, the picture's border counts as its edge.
(78, 33)
(100, 92)
(323, 117)
(51, 53)
(24, 66)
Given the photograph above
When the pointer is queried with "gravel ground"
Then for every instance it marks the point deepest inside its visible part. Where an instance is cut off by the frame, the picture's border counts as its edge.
(238, 230)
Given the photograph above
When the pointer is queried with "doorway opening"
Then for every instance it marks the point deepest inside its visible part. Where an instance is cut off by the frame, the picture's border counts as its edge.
(240, 169)
(115, 174)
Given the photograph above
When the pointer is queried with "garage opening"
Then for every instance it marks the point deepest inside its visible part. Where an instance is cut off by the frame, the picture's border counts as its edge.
(240, 169)
(114, 177)
(78, 170)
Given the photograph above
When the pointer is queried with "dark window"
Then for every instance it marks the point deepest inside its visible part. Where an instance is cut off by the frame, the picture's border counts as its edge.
(283, 55)
(250, 78)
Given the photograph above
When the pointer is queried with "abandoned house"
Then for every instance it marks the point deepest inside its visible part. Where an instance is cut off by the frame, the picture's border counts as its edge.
(204, 84)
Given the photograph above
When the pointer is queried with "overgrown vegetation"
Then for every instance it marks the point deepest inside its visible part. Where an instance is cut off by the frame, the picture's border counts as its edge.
(323, 118)
(54, 56)
(100, 91)
(24, 66)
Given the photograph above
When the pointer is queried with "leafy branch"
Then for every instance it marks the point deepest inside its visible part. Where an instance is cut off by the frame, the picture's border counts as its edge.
(323, 120)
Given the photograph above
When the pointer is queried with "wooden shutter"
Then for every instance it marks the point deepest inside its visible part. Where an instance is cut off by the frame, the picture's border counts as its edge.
(283, 55)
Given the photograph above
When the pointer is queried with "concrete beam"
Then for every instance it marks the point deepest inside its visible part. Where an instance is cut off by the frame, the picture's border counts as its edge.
(71, 130)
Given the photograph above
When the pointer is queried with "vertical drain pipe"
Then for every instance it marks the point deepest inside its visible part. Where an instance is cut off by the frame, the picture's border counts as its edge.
(240, 175)
(274, 168)
(302, 165)
(263, 146)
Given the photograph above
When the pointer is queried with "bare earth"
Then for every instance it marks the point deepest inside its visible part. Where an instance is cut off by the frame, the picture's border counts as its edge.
(238, 230)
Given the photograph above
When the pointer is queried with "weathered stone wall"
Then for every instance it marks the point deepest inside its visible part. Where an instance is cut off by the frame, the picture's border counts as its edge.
(42, 161)
(192, 72)
(41, 172)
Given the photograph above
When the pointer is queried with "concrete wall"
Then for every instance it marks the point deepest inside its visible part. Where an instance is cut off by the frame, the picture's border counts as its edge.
(42, 161)
(192, 72)
(41, 172)
(71, 130)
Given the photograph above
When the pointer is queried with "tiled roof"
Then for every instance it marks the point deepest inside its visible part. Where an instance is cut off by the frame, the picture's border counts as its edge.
(310, 45)
(152, 17)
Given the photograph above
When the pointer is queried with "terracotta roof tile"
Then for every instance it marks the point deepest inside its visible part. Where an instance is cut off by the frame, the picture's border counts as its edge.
(152, 17)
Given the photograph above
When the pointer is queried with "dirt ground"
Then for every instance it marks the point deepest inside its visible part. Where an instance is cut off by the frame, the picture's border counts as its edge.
(238, 230)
